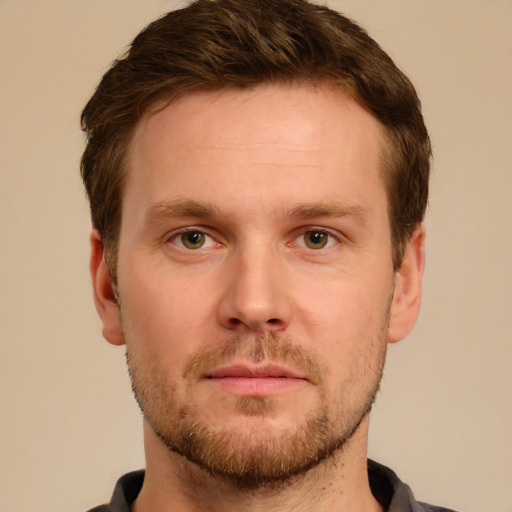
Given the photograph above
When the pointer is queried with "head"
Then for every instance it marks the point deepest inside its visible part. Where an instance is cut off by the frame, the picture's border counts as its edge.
(240, 44)
(257, 173)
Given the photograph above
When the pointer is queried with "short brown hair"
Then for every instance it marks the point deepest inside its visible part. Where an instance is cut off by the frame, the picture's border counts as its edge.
(218, 44)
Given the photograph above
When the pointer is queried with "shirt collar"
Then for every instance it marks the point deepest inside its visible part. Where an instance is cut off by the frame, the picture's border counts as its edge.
(393, 494)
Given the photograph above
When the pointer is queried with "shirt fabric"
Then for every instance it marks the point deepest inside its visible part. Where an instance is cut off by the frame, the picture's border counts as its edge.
(388, 489)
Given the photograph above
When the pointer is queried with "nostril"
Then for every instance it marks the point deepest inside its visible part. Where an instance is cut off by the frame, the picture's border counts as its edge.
(254, 324)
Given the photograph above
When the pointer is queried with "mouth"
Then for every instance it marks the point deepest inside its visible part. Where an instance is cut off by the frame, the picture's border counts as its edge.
(256, 381)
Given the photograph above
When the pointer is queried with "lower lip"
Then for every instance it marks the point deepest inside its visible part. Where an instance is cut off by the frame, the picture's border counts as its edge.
(257, 386)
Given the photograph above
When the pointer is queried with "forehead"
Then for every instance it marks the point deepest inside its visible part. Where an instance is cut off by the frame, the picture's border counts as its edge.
(270, 140)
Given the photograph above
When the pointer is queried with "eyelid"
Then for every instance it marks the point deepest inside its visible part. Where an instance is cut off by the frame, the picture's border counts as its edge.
(335, 235)
(175, 234)
(214, 240)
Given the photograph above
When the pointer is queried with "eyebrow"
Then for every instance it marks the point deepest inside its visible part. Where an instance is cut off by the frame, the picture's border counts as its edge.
(329, 209)
(180, 208)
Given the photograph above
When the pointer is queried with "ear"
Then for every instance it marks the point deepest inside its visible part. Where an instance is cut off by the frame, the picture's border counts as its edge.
(407, 293)
(104, 293)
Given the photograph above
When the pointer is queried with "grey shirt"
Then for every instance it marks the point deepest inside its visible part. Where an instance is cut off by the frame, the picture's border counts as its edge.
(388, 489)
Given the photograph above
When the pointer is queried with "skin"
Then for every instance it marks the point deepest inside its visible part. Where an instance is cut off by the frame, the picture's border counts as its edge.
(278, 171)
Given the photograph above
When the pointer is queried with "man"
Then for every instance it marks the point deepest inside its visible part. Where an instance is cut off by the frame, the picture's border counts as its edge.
(258, 177)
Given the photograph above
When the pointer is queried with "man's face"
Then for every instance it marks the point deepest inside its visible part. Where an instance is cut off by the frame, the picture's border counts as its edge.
(255, 278)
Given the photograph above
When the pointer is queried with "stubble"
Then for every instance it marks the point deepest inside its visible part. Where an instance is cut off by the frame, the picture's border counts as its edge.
(262, 454)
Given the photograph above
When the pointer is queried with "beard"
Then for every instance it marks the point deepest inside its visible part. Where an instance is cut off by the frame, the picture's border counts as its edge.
(261, 454)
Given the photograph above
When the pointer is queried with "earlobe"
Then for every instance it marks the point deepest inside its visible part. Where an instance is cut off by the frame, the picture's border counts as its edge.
(407, 293)
(105, 298)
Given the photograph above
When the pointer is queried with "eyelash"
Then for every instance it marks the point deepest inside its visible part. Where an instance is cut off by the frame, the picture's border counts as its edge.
(177, 239)
(330, 238)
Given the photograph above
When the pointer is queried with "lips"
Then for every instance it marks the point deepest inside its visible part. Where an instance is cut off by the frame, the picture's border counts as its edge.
(254, 372)
(255, 381)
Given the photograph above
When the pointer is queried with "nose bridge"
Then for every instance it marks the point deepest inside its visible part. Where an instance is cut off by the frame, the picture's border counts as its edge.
(256, 297)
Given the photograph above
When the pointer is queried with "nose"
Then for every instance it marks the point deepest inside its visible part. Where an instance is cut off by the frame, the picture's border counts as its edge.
(255, 297)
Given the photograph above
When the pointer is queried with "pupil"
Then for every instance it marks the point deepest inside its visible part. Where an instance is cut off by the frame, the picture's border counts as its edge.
(317, 239)
(193, 239)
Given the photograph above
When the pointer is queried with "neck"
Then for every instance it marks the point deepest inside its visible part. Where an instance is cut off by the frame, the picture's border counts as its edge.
(339, 483)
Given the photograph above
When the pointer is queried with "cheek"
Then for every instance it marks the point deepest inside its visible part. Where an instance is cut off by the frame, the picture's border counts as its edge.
(346, 305)
(163, 316)
(346, 323)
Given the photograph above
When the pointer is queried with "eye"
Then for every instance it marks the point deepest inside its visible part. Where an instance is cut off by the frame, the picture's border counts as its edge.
(316, 239)
(193, 239)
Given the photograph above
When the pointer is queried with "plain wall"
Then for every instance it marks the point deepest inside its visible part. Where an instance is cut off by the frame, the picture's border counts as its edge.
(69, 426)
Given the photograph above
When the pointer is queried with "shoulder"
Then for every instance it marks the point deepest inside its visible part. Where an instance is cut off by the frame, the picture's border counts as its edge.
(393, 494)
(125, 492)
(425, 507)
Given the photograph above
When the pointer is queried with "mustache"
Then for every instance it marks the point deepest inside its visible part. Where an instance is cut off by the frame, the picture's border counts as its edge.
(270, 347)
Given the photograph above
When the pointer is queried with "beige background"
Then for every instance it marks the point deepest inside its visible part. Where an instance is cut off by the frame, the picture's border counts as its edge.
(69, 426)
